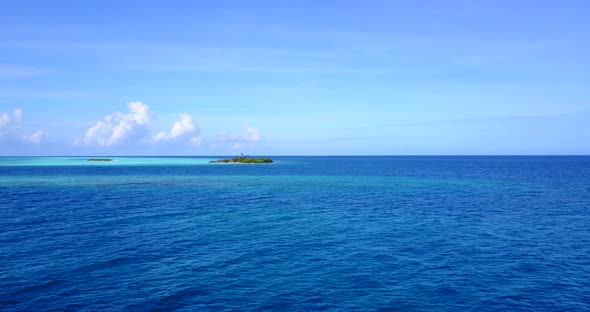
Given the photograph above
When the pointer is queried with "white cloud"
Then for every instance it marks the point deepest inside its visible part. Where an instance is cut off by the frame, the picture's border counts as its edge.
(4, 120)
(7, 120)
(119, 127)
(183, 126)
(135, 126)
(10, 128)
(251, 135)
(18, 115)
(34, 138)
(197, 140)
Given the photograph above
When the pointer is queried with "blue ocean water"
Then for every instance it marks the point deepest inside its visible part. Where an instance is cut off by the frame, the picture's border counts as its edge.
(301, 234)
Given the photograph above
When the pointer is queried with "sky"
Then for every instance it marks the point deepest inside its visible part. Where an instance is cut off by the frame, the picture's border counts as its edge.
(294, 77)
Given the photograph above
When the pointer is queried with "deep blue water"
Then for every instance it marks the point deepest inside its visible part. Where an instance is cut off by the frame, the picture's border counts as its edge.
(301, 234)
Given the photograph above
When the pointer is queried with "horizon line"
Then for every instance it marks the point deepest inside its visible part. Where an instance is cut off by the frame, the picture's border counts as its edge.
(324, 155)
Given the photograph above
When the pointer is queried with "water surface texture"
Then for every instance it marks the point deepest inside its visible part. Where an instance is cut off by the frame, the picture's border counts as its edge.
(300, 234)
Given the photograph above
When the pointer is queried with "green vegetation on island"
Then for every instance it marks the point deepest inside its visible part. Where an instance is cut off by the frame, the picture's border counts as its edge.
(100, 159)
(243, 160)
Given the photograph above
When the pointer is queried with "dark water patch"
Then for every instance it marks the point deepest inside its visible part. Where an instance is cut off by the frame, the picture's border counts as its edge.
(40, 287)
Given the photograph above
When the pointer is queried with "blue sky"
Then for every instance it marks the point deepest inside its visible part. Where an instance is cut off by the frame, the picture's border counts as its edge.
(294, 77)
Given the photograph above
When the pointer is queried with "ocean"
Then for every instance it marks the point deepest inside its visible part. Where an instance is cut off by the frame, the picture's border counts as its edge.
(300, 234)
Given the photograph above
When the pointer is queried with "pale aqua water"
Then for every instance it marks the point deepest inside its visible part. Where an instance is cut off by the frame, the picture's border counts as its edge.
(300, 234)
(116, 161)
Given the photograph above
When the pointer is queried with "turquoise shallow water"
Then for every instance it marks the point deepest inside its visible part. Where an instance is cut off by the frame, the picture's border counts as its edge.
(116, 161)
(303, 233)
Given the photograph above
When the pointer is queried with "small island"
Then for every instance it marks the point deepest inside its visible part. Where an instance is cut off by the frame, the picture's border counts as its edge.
(100, 159)
(243, 160)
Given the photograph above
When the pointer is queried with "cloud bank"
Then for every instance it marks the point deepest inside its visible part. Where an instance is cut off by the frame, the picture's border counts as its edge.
(134, 127)
(249, 136)
(7, 120)
(183, 126)
(253, 134)
(10, 128)
(119, 127)
(35, 138)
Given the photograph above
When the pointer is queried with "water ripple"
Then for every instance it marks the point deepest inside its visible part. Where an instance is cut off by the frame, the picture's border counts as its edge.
(307, 234)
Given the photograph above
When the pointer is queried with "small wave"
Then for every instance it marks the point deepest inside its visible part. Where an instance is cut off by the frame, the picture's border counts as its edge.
(108, 264)
(40, 287)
